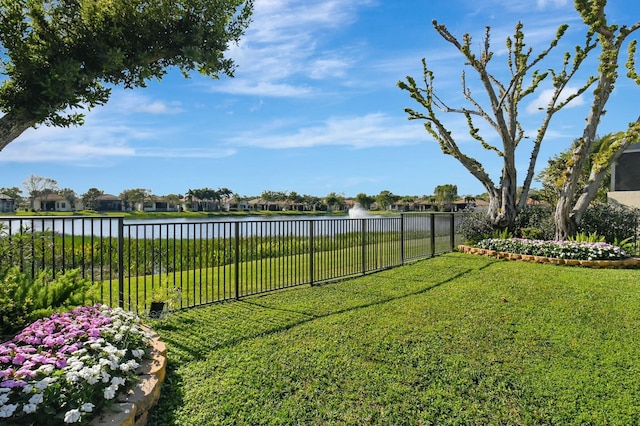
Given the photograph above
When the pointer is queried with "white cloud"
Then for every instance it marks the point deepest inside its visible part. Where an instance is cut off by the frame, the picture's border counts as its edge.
(106, 135)
(283, 47)
(542, 4)
(542, 101)
(263, 88)
(371, 130)
(185, 152)
(137, 103)
(58, 151)
(323, 68)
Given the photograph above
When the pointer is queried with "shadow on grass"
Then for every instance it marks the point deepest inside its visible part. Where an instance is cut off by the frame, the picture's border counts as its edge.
(192, 334)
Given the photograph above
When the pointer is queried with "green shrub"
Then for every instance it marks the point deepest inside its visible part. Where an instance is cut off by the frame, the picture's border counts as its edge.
(610, 221)
(475, 227)
(532, 233)
(536, 222)
(23, 299)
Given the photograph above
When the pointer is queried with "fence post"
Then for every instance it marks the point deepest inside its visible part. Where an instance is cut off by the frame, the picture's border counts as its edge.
(364, 245)
(120, 262)
(452, 231)
(432, 226)
(236, 259)
(311, 252)
(402, 238)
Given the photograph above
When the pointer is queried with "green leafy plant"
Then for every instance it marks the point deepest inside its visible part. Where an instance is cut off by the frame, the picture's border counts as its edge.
(629, 245)
(23, 299)
(502, 233)
(532, 233)
(165, 294)
(582, 237)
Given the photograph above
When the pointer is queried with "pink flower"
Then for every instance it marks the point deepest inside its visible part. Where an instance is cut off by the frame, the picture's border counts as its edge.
(19, 359)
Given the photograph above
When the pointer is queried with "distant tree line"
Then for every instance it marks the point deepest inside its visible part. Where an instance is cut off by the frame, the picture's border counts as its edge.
(209, 199)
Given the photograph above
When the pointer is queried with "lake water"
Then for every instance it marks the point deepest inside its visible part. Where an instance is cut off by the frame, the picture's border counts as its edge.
(214, 227)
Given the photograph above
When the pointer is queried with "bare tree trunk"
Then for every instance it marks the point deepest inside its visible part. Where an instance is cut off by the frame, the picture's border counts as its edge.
(566, 225)
(13, 125)
(566, 217)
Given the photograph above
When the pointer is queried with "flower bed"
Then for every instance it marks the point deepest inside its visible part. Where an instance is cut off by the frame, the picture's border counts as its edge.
(555, 249)
(595, 255)
(68, 367)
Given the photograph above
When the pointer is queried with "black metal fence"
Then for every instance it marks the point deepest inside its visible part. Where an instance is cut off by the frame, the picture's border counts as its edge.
(200, 262)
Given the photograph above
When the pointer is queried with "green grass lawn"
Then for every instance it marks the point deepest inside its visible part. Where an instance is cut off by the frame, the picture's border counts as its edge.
(456, 339)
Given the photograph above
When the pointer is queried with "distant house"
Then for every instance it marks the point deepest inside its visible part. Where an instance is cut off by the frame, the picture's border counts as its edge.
(261, 205)
(625, 179)
(233, 204)
(159, 204)
(52, 203)
(7, 204)
(109, 203)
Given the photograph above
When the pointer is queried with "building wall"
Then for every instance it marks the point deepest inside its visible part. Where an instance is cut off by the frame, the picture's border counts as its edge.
(627, 198)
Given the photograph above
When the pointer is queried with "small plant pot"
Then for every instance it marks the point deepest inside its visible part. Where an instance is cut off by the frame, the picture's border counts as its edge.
(156, 309)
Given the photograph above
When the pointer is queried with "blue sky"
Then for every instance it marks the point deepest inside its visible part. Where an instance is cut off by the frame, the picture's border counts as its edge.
(314, 107)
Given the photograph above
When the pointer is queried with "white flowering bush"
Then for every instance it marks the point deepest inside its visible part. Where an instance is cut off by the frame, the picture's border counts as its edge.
(557, 249)
(68, 367)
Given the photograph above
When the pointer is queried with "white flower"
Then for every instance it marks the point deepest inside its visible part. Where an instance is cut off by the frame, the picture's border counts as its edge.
(46, 369)
(117, 381)
(72, 416)
(37, 398)
(76, 366)
(110, 349)
(44, 383)
(87, 407)
(137, 353)
(27, 389)
(72, 376)
(110, 392)
(3, 398)
(29, 408)
(7, 410)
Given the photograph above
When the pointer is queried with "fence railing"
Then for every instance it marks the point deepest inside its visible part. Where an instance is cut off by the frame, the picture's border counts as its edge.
(202, 262)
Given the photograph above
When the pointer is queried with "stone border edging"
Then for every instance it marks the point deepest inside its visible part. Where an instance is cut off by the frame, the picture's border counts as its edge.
(132, 408)
(632, 262)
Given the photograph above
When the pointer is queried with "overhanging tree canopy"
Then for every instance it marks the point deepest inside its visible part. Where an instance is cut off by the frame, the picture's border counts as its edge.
(58, 56)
